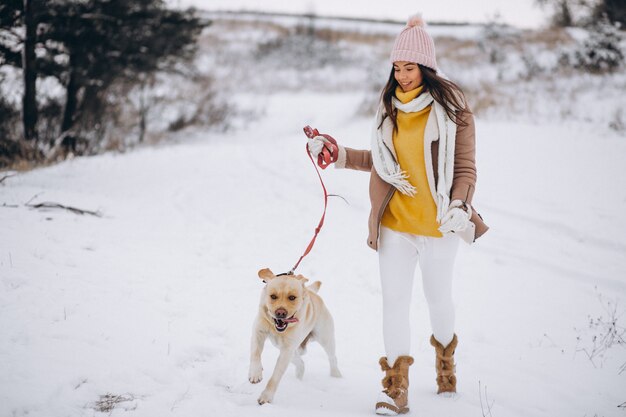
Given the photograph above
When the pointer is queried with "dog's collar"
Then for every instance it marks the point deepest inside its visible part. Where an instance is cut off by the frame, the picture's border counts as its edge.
(290, 273)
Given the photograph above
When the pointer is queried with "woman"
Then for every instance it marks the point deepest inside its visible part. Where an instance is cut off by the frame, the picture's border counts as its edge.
(423, 175)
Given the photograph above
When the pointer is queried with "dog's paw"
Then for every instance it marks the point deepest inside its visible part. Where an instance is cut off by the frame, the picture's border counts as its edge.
(266, 397)
(256, 374)
(335, 373)
(255, 379)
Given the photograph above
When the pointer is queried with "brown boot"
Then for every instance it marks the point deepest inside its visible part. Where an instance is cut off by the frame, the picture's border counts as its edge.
(394, 399)
(444, 362)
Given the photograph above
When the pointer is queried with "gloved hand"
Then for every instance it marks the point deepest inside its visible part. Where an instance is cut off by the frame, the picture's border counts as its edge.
(316, 144)
(321, 146)
(456, 219)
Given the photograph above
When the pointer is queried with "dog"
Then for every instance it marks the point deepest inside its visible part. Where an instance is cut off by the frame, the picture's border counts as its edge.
(291, 315)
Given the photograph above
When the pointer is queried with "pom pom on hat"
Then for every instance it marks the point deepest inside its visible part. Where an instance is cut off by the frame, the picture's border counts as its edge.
(416, 20)
(414, 44)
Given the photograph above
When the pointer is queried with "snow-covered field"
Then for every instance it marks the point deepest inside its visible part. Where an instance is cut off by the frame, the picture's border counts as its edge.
(154, 301)
(150, 306)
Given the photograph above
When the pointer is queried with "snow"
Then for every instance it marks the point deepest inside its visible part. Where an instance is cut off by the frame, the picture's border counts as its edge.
(151, 305)
(155, 300)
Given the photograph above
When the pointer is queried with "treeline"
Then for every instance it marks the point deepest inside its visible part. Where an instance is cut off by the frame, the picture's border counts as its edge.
(605, 20)
(567, 13)
(91, 47)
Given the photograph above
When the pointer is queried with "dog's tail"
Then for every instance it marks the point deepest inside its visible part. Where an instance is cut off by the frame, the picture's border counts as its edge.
(315, 287)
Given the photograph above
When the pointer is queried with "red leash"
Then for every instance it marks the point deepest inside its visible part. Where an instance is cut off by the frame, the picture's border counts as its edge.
(327, 156)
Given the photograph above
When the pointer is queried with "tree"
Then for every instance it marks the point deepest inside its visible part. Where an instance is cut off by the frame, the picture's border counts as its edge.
(10, 38)
(602, 51)
(567, 13)
(562, 15)
(115, 39)
(29, 99)
(17, 48)
(90, 44)
(614, 10)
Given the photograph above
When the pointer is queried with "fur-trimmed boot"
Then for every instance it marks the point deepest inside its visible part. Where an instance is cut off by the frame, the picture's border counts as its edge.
(394, 399)
(444, 362)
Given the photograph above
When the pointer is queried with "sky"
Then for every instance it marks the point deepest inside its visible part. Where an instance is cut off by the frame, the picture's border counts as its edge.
(520, 13)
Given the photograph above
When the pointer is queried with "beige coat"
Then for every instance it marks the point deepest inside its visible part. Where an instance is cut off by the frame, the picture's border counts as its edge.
(463, 183)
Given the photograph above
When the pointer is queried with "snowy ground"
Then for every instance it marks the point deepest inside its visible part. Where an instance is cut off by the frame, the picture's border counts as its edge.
(154, 301)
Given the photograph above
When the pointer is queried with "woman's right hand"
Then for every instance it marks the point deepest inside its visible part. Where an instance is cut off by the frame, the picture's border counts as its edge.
(316, 144)
(321, 146)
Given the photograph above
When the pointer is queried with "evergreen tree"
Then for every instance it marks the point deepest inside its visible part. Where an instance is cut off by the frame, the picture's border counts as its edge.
(585, 12)
(602, 51)
(18, 38)
(89, 44)
(562, 11)
(29, 98)
(10, 39)
(614, 10)
(108, 40)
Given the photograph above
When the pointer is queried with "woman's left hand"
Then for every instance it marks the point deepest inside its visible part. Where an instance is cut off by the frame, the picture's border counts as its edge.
(456, 219)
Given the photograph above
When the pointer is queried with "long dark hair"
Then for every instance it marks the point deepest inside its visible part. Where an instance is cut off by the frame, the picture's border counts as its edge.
(445, 92)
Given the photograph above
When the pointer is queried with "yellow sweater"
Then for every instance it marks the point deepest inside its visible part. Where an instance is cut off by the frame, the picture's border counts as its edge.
(417, 214)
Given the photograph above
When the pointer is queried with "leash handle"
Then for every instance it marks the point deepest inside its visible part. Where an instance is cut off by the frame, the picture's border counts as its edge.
(330, 150)
(324, 159)
(310, 132)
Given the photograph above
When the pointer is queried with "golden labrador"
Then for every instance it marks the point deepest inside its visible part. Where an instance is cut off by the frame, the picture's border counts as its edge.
(291, 315)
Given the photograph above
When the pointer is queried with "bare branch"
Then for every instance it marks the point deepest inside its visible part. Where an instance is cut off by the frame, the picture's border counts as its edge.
(108, 402)
(17, 34)
(32, 198)
(9, 175)
(74, 210)
(604, 333)
(482, 407)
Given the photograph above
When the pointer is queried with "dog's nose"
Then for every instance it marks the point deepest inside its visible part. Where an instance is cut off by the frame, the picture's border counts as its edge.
(281, 313)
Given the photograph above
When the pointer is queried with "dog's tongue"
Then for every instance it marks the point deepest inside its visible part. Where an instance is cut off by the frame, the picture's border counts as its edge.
(291, 320)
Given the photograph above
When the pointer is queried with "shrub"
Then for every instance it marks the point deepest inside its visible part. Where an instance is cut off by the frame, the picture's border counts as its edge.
(304, 47)
(618, 122)
(601, 51)
(9, 119)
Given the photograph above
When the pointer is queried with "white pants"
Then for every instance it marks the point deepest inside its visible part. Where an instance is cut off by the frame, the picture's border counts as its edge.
(398, 254)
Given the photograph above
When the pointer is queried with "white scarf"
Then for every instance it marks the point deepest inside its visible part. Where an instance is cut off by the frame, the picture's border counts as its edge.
(386, 164)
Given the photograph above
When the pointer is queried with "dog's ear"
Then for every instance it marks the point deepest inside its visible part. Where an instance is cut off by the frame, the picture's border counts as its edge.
(266, 274)
(302, 279)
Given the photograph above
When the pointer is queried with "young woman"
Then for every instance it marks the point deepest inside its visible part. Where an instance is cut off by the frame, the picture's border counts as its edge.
(423, 176)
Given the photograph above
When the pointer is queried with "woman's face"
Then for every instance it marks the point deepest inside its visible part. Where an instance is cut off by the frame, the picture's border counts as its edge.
(407, 74)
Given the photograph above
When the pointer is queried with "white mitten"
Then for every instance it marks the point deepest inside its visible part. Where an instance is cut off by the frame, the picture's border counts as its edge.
(456, 219)
(316, 145)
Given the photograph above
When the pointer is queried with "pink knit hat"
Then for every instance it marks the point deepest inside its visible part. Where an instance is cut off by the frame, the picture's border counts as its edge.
(414, 44)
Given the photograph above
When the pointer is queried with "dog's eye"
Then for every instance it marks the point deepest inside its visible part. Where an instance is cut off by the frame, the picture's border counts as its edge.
(273, 296)
(292, 297)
